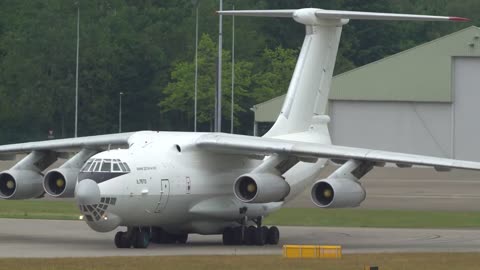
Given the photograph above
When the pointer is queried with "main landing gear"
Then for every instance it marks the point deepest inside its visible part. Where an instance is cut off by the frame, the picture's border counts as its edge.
(138, 237)
(159, 236)
(252, 235)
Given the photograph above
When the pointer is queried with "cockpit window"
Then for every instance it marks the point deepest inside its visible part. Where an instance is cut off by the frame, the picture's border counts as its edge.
(105, 165)
(96, 168)
(122, 166)
(87, 165)
(116, 167)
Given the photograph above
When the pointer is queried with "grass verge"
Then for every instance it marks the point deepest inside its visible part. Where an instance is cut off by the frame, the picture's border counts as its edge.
(437, 261)
(67, 210)
(39, 209)
(374, 218)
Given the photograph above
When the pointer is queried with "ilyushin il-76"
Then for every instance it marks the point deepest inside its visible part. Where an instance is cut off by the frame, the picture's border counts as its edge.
(163, 186)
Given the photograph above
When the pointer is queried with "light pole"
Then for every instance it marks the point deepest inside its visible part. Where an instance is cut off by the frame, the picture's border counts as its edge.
(120, 112)
(233, 71)
(76, 72)
(196, 2)
(218, 99)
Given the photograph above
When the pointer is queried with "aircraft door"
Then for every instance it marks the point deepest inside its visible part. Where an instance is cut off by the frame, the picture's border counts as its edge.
(165, 191)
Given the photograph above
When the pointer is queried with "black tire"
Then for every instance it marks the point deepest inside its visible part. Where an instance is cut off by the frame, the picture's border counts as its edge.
(227, 236)
(237, 236)
(182, 238)
(265, 233)
(260, 236)
(159, 236)
(250, 235)
(156, 235)
(118, 239)
(141, 239)
(122, 241)
(273, 236)
(168, 238)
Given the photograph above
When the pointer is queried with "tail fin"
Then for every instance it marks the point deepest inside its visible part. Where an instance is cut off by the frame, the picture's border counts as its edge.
(310, 85)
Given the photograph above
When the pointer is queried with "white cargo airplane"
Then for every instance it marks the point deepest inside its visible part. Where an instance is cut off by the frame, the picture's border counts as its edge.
(163, 186)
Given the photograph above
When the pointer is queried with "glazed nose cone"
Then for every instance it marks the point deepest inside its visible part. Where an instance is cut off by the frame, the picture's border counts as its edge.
(87, 192)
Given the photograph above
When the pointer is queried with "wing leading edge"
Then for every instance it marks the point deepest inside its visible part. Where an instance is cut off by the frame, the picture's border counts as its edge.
(246, 145)
(70, 144)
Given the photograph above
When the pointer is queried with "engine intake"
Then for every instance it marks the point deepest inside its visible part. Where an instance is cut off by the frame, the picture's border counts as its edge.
(337, 193)
(60, 182)
(260, 188)
(20, 184)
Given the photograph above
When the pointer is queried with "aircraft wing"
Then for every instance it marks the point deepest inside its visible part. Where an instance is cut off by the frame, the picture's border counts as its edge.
(66, 145)
(247, 145)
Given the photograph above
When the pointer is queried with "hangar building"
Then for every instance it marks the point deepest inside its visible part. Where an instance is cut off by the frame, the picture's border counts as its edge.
(425, 100)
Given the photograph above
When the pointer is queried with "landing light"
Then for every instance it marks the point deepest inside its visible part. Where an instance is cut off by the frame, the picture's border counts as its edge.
(105, 217)
(80, 217)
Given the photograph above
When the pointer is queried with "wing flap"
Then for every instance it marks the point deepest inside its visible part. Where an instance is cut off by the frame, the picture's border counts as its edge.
(246, 145)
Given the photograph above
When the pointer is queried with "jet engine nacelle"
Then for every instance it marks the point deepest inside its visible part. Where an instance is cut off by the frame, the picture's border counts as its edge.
(260, 188)
(337, 193)
(61, 182)
(20, 184)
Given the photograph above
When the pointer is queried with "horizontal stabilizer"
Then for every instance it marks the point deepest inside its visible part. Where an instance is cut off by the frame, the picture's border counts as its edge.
(356, 15)
(338, 15)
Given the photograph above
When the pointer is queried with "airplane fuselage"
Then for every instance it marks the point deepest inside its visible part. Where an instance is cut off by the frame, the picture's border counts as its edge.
(173, 185)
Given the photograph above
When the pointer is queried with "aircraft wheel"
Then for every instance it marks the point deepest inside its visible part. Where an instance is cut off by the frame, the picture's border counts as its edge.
(237, 236)
(260, 236)
(250, 235)
(160, 236)
(121, 240)
(182, 238)
(265, 233)
(141, 239)
(227, 236)
(273, 236)
(156, 236)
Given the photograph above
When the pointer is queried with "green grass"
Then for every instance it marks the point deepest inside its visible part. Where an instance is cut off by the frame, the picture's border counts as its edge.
(437, 261)
(374, 218)
(67, 210)
(39, 209)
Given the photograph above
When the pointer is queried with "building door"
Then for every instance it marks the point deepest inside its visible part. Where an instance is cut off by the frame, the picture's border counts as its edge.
(165, 191)
(466, 100)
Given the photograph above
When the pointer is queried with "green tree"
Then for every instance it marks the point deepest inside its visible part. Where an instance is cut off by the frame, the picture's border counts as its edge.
(178, 95)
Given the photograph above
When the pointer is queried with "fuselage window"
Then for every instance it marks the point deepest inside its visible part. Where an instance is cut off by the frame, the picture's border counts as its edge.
(106, 165)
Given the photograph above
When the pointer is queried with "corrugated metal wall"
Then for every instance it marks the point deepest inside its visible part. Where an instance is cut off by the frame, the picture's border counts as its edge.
(437, 129)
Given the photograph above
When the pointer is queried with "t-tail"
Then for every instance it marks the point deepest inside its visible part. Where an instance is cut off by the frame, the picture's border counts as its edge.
(309, 88)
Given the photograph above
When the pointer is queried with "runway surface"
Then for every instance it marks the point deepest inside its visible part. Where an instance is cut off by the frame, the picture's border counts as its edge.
(42, 238)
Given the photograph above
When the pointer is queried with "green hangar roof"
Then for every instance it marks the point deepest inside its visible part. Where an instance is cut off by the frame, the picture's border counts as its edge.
(420, 74)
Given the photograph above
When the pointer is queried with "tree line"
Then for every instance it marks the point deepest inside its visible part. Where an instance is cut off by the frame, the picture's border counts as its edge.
(146, 50)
